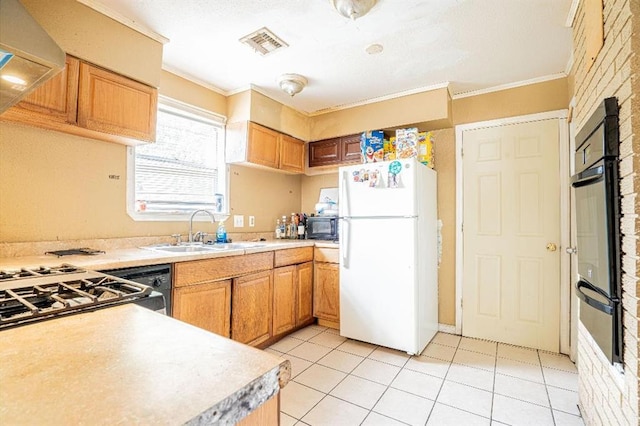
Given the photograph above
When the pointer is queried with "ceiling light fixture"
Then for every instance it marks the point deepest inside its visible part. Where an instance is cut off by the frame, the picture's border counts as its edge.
(353, 9)
(292, 83)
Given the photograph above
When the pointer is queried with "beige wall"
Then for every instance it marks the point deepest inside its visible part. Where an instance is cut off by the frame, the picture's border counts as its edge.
(264, 194)
(606, 396)
(311, 186)
(545, 96)
(445, 165)
(277, 116)
(427, 111)
(87, 34)
(176, 87)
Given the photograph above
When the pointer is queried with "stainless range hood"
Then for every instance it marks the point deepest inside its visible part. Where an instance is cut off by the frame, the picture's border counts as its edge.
(28, 56)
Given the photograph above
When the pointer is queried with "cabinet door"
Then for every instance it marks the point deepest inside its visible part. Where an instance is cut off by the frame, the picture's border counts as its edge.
(114, 104)
(304, 308)
(291, 154)
(284, 299)
(57, 99)
(325, 152)
(206, 306)
(251, 303)
(263, 146)
(326, 291)
(350, 149)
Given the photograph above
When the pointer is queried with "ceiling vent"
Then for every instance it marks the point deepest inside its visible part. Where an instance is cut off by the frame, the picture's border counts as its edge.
(263, 41)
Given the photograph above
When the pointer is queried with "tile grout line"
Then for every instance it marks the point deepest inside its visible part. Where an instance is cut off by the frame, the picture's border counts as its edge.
(435, 401)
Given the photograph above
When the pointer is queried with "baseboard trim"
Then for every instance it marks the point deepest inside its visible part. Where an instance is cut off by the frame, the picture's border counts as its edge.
(446, 328)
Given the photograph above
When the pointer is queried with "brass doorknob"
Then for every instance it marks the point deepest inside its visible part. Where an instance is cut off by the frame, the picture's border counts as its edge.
(552, 247)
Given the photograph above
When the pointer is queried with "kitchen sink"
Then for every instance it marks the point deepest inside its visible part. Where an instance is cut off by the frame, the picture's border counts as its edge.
(182, 248)
(202, 248)
(236, 246)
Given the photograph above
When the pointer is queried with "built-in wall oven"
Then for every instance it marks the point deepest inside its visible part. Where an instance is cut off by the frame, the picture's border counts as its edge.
(597, 195)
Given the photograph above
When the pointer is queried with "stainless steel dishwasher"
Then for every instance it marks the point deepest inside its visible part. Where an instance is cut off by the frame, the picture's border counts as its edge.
(156, 276)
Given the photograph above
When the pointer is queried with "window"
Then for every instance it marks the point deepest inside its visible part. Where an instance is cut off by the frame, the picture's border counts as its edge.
(183, 170)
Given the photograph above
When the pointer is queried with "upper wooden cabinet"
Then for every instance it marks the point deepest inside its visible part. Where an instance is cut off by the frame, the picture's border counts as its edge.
(253, 144)
(291, 154)
(92, 102)
(335, 151)
(263, 146)
(56, 100)
(114, 104)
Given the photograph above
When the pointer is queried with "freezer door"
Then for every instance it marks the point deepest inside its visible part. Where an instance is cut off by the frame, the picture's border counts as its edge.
(378, 282)
(360, 196)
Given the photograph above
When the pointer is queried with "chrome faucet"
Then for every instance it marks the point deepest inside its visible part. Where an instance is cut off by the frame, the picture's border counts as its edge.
(213, 220)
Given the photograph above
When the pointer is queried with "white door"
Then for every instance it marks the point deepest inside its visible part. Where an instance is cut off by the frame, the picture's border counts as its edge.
(511, 226)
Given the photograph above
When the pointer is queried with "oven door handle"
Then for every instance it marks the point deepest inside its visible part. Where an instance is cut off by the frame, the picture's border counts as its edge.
(588, 177)
(588, 181)
(607, 308)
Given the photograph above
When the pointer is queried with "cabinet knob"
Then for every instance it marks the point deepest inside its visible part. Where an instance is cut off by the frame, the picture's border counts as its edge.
(552, 247)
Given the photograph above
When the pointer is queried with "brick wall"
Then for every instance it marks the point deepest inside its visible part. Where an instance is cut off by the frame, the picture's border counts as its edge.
(607, 396)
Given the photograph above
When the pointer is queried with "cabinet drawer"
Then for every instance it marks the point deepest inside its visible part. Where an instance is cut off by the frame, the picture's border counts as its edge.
(325, 254)
(198, 271)
(293, 256)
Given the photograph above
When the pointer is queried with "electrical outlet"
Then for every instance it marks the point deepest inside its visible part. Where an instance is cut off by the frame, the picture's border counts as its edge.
(238, 221)
(252, 221)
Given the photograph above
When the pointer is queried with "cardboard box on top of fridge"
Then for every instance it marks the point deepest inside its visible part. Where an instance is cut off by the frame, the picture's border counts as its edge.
(425, 149)
(390, 149)
(406, 143)
(372, 146)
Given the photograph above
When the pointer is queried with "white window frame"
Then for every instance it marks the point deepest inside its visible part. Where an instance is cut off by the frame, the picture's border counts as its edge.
(223, 168)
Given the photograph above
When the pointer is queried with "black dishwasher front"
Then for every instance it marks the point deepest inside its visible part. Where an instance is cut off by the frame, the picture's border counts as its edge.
(156, 276)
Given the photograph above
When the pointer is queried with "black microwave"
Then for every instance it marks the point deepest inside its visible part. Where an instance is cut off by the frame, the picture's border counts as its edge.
(322, 228)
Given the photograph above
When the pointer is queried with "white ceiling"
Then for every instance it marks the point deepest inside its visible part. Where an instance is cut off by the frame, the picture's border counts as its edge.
(472, 44)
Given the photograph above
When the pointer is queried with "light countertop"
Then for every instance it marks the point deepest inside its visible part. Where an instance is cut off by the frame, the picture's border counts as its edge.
(135, 256)
(129, 365)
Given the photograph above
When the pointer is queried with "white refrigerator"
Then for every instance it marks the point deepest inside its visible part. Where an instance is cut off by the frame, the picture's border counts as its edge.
(388, 254)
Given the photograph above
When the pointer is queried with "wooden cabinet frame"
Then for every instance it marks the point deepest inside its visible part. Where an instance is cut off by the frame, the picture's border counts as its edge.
(92, 102)
(253, 144)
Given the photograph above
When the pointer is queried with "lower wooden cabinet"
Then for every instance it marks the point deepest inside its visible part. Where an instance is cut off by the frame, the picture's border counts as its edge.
(304, 305)
(284, 299)
(207, 306)
(326, 292)
(292, 296)
(251, 312)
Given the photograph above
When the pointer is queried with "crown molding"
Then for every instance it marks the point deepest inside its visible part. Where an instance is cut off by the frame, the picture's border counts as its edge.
(382, 98)
(510, 85)
(571, 16)
(567, 68)
(117, 16)
(193, 79)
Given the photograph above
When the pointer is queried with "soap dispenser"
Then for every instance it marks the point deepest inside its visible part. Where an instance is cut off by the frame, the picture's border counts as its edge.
(221, 233)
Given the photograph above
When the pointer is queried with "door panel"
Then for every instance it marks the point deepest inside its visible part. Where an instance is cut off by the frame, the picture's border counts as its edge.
(511, 289)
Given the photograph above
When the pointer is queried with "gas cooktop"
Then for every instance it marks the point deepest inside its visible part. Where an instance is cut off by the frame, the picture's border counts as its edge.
(28, 295)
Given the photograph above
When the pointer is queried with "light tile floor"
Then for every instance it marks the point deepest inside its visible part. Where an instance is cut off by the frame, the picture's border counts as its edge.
(456, 381)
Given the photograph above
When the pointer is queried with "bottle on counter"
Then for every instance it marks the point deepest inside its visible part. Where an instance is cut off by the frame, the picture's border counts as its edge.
(293, 227)
(301, 226)
(284, 229)
(278, 230)
(221, 233)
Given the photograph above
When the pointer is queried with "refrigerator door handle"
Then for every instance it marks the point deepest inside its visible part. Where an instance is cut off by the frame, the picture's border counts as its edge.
(344, 240)
(607, 308)
(344, 197)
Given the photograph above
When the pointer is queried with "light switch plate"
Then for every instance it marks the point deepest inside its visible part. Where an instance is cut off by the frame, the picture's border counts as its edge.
(252, 221)
(238, 221)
